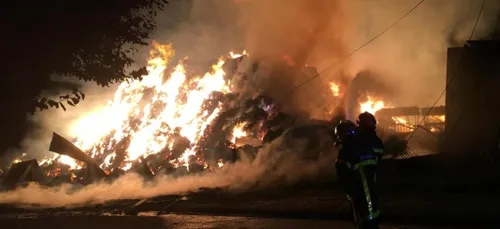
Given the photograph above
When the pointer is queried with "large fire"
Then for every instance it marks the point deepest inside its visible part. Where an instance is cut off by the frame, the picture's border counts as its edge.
(371, 105)
(147, 116)
(335, 88)
(166, 114)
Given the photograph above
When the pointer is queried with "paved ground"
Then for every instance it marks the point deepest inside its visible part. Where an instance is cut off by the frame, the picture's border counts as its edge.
(405, 200)
(398, 206)
(178, 222)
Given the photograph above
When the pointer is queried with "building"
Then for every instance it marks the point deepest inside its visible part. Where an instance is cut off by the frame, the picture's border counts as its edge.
(404, 120)
(473, 98)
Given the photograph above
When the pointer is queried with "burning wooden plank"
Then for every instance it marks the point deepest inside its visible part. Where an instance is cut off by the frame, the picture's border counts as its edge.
(61, 145)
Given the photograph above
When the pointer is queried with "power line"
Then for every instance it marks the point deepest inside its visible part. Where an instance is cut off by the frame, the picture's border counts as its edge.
(457, 71)
(356, 50)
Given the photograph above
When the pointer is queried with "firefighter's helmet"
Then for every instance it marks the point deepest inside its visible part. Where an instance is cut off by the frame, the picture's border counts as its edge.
(345, 129)
(367, 120)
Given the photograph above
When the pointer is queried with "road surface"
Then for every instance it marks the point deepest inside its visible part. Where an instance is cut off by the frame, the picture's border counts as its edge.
(175, 222)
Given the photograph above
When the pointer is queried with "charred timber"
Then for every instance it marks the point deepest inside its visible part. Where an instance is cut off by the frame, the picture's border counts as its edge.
(61, 145)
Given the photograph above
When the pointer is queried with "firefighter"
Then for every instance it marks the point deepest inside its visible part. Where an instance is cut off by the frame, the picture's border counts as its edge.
(356, 171)
(346, 137)
(365, 131)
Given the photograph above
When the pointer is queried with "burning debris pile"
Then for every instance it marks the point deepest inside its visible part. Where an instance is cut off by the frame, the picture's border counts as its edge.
(171, 122)
(176, 122)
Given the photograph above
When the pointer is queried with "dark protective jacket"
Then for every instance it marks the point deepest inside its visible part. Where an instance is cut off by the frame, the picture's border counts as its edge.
(369, 139)
(356, 170)
(344, 164)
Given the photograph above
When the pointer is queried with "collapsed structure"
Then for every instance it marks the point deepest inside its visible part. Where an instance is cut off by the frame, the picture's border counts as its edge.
(405, 120)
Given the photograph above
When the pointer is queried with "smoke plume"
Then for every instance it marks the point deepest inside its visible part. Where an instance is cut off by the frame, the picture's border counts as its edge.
(312, 33)
(307, 32)
(411, 57)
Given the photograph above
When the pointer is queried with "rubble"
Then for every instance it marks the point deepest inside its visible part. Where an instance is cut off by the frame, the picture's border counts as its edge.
(62, 179)
(23, 172)
(90, 174)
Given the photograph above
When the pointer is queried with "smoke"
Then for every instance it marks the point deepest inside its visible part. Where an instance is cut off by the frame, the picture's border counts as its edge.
(411, 57)
(202, 30)
(273, 166)
(312, 33)
(36, 142)
(308, 32)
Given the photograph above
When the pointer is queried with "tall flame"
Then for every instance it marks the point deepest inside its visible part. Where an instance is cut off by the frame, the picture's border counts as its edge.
(335, 88)
(147, 113)
(371, 105)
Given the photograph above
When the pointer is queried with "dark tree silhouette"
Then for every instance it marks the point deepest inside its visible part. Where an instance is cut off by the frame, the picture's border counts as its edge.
(91, 40)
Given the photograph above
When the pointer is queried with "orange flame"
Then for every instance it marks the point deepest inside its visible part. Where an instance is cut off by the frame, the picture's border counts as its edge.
(233, 55)
(441, 118)
(335, 88)
(399, 120)
(238, 132)
(372, 105)
(150, 110)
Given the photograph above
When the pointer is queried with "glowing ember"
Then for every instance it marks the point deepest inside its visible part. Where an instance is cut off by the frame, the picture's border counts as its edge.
(238, 55)
(399, 120)
(238, 132)
(45, 160)
(441, 118)
(220, 163)
(145, 117)
(371, 105)
(19, 159)
(335, 88)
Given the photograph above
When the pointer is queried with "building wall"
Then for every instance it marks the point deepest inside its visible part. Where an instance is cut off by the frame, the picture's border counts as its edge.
(472, 99)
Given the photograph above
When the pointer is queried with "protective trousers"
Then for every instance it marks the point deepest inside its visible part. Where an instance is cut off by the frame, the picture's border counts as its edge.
(363, 195)
(361, 222)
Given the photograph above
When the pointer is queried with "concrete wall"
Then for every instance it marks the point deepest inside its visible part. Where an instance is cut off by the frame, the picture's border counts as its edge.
(472, 99)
